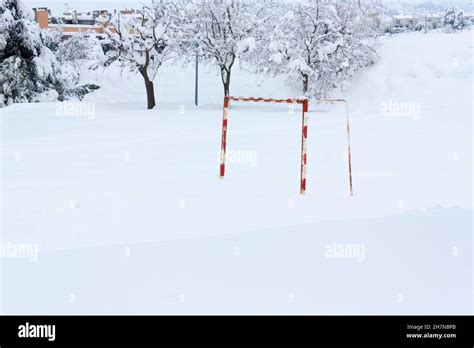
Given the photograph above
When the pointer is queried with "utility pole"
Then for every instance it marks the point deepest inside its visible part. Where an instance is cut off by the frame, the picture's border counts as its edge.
(196, 82)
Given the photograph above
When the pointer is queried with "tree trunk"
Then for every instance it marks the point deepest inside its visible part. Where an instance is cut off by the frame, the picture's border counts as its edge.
(227, 85)
(225, 74)
(150, 91)
(150, 94)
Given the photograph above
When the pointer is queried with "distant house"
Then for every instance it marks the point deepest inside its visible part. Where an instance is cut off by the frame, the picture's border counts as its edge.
(431, 19)
(404, 21)
(435, 20)
(72, 22)
(75, 17)
(42, 15)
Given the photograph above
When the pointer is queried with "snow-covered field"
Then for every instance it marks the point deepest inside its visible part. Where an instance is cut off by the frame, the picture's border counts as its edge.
(130, 216)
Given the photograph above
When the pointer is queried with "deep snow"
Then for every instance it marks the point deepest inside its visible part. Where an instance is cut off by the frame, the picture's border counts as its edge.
(130, 216)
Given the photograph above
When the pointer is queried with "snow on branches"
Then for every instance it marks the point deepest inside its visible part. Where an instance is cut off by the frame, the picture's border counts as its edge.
(320, 44)
(29, 70)
(223, 31)
(454, 20)
(142, 41)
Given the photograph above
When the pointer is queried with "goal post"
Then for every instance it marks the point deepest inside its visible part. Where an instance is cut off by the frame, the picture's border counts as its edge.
(304, 130)
(348, 130)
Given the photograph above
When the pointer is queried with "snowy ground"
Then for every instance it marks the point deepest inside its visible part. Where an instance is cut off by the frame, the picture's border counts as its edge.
(129, 215)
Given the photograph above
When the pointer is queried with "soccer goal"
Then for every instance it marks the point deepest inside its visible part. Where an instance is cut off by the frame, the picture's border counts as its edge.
(348, 129)
(304, 130)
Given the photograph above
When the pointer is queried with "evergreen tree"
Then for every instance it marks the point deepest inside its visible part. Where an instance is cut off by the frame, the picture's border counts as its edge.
(29, 70)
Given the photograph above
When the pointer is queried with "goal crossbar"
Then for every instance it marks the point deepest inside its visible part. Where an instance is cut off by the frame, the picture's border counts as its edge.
(268, 100)
(304, 130)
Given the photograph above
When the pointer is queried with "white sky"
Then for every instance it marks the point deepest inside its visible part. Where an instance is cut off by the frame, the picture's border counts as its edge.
(58, 6)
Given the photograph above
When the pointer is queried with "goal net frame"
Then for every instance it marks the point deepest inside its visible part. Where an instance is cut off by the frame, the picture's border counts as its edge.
(348, 130)
(304, 130)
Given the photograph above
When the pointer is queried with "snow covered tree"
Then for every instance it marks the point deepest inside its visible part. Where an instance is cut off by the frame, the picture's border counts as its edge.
(423, 25)
(303, 36)
(142, 41)
(29, 70)
(449, 18)
(80, 48)
(320, 44)
(223, 31)
(77, 54)
(454, 19)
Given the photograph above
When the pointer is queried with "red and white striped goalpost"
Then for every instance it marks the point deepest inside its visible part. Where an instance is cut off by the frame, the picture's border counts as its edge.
(304, 131)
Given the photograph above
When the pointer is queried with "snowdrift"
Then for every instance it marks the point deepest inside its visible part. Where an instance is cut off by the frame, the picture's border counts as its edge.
(130, 216)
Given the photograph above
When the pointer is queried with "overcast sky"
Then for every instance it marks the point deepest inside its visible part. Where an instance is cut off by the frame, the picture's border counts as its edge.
(58, 6)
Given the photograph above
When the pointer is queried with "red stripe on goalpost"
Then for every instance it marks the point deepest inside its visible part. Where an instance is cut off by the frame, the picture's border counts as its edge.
(304, 131)
(304, 138)
(267, 100)
(224, 137)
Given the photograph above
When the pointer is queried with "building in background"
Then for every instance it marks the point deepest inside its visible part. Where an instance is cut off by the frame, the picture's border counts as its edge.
(405, 21)
(42, 15)
(71, 22)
